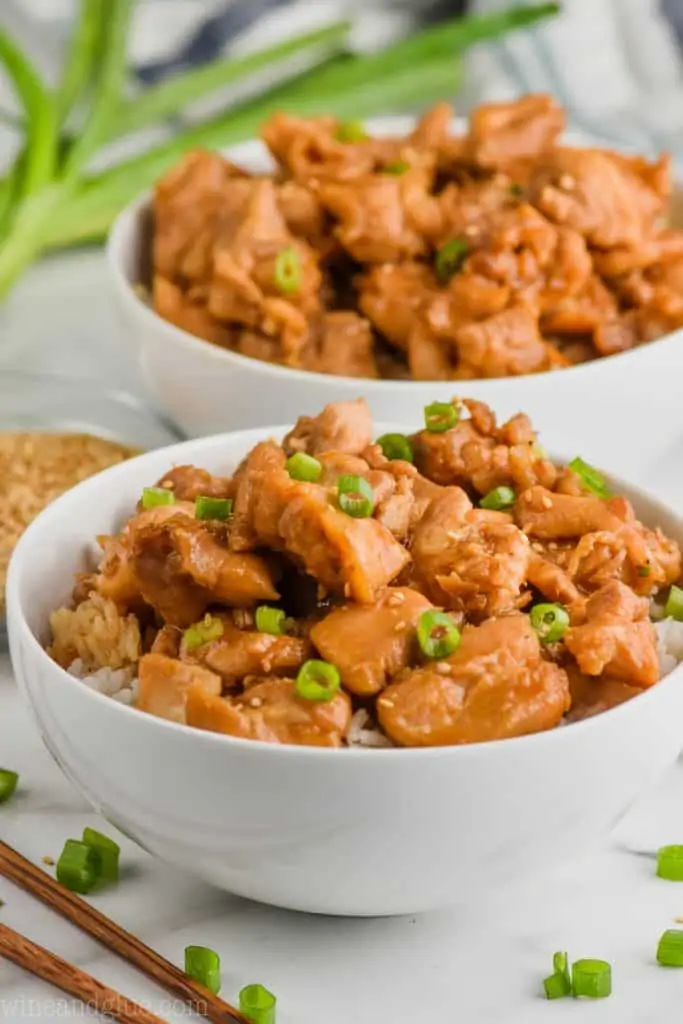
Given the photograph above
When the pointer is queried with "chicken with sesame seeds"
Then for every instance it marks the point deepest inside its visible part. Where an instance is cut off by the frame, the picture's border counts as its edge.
(338, 589)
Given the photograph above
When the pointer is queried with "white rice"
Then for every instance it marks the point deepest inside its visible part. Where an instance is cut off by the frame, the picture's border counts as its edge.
(363, 734)
(669, 644)
(119, 684)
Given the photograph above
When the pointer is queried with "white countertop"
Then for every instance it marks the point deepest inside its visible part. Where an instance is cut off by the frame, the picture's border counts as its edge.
(480, 965)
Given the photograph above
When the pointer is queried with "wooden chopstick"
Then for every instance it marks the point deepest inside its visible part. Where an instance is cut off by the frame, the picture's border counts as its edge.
(75, 982)
(27, 876)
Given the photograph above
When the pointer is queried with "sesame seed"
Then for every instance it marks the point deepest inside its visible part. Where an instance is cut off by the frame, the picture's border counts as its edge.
(396, 599)
(546, 501)
(255, 702)
(48, 860)
(443, 668)
(567, 182)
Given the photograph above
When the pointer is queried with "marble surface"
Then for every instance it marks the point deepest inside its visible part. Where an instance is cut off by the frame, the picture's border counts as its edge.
(479, 965)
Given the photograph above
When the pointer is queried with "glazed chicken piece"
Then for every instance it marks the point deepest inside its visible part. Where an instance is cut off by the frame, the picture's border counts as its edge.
(370, 643)
(501, 134)
(304, 215)
(508, 344)
(551, 516)
(466, 562)
(391, 295)
(353, 557)
(271, 711)
(343, 344)
(246, 286)
(597, 193)
(262, 489)
(643, 559)
(246, 652)
(188, 202)
(189, 311)
(592, 696)
(384, 218)
(494, 686)
(167, 642)
(551, 579)
(190, 482)
(614, 636)
(308, 148)
(340, 427)
(182, 566)
(658, 253)
(165, 683)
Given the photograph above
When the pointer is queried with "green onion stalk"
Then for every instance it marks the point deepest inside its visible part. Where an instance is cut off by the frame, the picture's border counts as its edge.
(51, 199)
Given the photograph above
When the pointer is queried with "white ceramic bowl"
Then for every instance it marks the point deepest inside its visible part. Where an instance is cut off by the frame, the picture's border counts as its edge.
(617, 407)
(349, 832)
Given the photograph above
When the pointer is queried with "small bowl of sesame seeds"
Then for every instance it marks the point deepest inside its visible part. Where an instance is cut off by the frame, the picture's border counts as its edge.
(55, 432)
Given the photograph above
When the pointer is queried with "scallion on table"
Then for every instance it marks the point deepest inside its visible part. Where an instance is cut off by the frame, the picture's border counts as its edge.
(204, 965)
(257, 1004)
(8, 784)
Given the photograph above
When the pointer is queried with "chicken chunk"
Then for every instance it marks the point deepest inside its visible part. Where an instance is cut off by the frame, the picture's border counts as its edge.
(246, 652)
(614, 637)
(340, 427)
(353, 557)
(344, 345)
(506, 345)
(550, 516)
(370, 643)
(643, 559)
(391, 295)
(502, 133)
(165, 683)
(182, 566)
(262, 489)
(494, 686)
(190, 482)
(272, 711)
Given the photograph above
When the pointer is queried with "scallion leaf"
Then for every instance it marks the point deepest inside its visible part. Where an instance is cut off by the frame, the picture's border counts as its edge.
(204, 965)
(8, 784)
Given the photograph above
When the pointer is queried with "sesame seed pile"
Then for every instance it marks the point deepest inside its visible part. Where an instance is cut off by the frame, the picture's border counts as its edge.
(35, 469)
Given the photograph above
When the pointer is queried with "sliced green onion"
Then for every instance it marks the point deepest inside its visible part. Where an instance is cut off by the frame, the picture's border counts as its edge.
(78, 867)
(287, 274)
(355, 496)
(203, 633)
(549, 621)
(644, 570)
(270, 620)
(441, 416)
(540, 452)
(673, 609)
(556, 986)
(257, 1004)
(108, 852)
(351, 131)
(317, 680)
(212, 508)
(152, 497)
(591, 979)
(396, 446)
(516, 189)
(498, 499)
(304, 467)
(561, 967)
(670, 863)
(204, 965)
(591, 478)
(437, 634)
(670, 948)
(398, 167)
(450, 259)
(8, 783)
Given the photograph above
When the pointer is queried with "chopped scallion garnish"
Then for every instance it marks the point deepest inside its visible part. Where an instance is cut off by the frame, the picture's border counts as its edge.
(591, 478)
(257, 1004)
(450, 259)
(204, 965)
(79, 866)
(355, 496)
(8, 784)
(398, 167)
(304, 468)
(204, 632)
(556, 987)
(670, 863)
(437, 634)
(498, 499)
(270, 620)
(441, 416)
(108, 852)
(673, 609)
(670, 948)
(591, 979)
(287, 275)
(396, 446)
(152, 497)
(318, 680)
(549, 621)
(351, 131)
(212, 508)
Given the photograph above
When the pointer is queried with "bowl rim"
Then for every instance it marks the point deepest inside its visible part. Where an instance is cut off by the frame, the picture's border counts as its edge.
(129, 220)
(21, 633)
